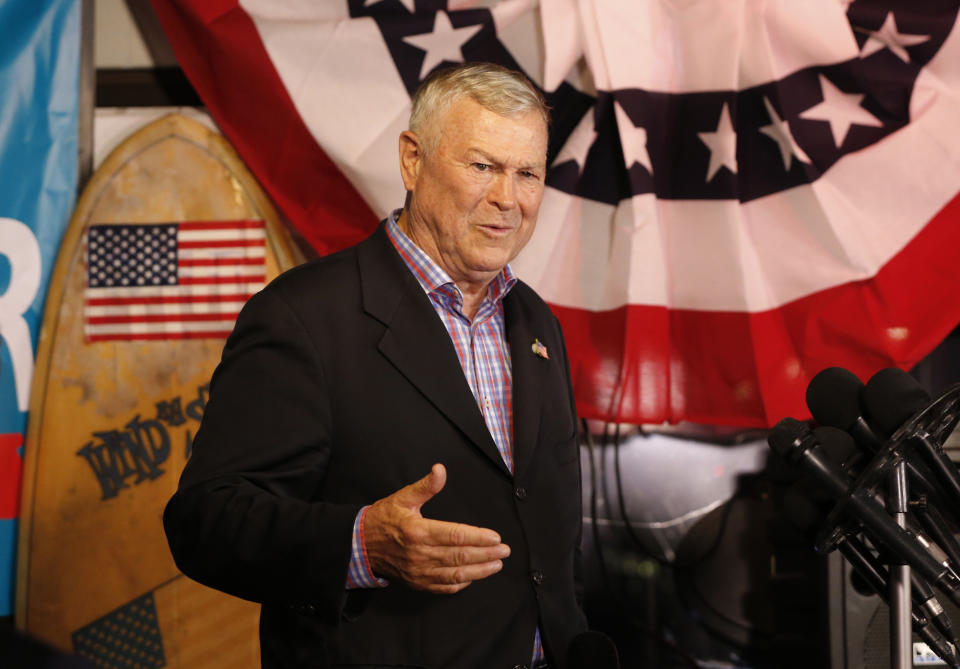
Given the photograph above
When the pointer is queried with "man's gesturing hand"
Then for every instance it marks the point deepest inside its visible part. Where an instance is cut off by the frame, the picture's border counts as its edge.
(428, 554)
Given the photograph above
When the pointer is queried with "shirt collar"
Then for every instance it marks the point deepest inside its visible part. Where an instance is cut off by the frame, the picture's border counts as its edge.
(432, 277)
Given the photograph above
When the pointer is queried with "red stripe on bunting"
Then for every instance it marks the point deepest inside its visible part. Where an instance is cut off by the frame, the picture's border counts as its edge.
(216, 42)
(647, 379)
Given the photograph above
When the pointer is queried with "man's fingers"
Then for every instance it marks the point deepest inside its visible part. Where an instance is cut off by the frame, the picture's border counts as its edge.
(446, 589)
(418, 493)
(461, 556)
(453, 579)
(443, 533)
(428, 554)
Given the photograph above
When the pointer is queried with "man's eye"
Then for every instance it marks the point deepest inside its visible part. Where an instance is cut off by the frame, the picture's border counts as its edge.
(530, 175)
(483, 167)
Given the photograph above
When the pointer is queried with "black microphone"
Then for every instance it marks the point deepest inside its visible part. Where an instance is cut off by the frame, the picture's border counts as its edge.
(837, 446)
(796, 443)
(939, 635)
(939, 530)
(804, 513)
(924, 597)
(892, 398)
(834, 398)
(840, 449)
(592, 650)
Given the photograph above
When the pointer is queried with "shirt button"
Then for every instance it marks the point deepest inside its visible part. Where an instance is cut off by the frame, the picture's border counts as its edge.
(520, 492)
(537, 577)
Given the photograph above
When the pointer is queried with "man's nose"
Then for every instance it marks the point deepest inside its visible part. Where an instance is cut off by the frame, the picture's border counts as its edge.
(503, 192)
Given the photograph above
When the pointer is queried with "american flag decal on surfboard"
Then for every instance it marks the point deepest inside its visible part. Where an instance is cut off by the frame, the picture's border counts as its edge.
(170, 280)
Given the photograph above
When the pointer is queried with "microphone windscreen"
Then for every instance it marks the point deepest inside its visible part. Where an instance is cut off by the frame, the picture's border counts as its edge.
(786, 435)
(890, 397)
(833, 397)
(592, 650)
(838, 446)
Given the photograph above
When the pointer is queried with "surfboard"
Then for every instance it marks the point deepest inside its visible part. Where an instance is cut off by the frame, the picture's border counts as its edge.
(167, 240)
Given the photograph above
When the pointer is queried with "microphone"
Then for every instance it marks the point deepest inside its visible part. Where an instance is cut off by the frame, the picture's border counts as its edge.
(893, 399)
(796, 443)
(890, 398)
(834, 398)
(927, 601)
(939, 635)
(939, 530)
(930, 621)
(837, 446)
(592, 650)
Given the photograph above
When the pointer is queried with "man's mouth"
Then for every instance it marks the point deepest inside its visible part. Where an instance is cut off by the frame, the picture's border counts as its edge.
(495, 229)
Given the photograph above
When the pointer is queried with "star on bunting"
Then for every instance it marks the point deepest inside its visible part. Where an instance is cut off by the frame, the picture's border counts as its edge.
(891, 38)
(722, 143)
(840, 110)
(779, 131)
(444, 43)
(634, 140)
(579, 142)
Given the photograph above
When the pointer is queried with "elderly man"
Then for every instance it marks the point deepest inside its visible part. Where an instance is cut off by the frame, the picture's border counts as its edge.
(416, 352)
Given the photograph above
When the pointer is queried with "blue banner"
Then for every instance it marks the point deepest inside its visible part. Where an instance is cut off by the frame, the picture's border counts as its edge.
(39, 78)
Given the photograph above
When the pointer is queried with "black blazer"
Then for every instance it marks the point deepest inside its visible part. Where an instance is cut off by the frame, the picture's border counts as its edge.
(339, 386)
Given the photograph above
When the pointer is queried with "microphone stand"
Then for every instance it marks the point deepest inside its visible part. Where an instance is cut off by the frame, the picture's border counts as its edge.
(934, 423)
(932, 426)
(901, 607)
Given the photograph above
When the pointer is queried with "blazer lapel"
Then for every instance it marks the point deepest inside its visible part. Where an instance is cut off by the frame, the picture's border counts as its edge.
(415, 340)
(528, 371)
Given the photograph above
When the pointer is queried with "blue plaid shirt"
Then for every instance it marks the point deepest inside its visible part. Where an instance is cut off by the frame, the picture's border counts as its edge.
(481, 347)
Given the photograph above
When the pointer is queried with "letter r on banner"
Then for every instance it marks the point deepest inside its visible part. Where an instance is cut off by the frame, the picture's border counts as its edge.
(19, 245)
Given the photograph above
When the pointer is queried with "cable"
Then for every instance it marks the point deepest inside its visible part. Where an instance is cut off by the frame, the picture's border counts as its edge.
(622, 505)
(632, 621)
(593, 508)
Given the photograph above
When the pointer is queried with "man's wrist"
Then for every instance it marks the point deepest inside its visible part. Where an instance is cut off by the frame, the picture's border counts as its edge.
(359, 571)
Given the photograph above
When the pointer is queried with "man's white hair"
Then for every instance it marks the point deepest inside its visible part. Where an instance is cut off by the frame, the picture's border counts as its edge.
(502, 91)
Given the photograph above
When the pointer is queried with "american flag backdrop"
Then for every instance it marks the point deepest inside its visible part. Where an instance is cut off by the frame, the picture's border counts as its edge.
(170, 280)
(741, 192)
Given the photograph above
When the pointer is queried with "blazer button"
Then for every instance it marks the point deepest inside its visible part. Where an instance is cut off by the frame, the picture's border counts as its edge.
(537, 577)
(520, 492)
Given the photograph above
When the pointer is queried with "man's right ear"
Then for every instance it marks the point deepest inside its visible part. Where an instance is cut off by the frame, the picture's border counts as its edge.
(411, 158)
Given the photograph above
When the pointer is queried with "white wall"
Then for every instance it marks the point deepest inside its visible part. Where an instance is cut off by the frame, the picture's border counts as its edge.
(127, 35)
(119, 42)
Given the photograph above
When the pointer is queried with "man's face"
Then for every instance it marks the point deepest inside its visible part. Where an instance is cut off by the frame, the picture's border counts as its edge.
(476, 192)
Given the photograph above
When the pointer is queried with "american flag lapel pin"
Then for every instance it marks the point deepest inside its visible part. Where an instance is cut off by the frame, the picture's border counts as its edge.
(539, 349)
